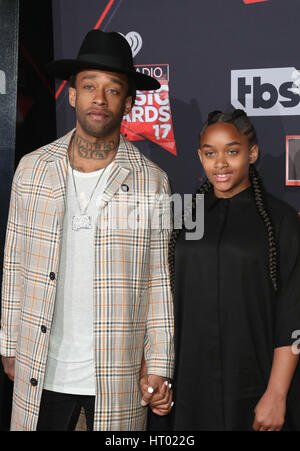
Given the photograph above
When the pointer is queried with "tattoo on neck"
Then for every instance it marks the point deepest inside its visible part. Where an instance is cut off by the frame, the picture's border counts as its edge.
(79, 169)
(94, 151)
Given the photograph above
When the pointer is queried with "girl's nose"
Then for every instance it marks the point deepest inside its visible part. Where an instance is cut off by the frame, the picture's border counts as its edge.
(221, 161)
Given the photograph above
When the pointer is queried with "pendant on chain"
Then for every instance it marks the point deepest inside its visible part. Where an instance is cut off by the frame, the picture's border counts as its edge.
(81, 222)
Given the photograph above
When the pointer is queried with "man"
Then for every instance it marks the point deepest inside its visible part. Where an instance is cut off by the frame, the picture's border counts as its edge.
(87, 318)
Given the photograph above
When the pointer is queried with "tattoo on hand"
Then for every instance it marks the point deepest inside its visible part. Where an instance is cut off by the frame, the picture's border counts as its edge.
(94, 151)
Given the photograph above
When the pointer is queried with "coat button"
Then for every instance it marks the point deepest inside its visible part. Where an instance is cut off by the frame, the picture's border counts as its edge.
(33, 382)
(44, 329)
(52, 275)
(124, 188)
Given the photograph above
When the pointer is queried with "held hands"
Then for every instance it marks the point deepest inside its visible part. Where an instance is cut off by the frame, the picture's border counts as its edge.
(270, 412)
(156, 392)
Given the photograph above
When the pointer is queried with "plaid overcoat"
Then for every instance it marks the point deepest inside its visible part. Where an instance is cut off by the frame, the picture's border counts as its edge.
(133, 313)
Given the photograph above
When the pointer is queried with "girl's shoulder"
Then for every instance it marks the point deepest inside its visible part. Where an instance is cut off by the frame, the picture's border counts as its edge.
(282, 213)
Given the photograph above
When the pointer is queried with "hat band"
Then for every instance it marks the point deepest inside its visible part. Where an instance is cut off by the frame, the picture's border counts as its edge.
(106, 60)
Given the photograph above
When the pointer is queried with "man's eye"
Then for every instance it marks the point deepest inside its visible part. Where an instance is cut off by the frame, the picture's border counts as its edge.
(209, 154)
(88, 87)
(233, 152)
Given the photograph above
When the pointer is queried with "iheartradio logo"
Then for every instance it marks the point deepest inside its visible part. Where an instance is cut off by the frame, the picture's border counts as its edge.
(150, 117)
(135, 41)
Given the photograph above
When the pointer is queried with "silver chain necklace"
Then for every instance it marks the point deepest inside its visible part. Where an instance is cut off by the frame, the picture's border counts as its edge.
(83, 221)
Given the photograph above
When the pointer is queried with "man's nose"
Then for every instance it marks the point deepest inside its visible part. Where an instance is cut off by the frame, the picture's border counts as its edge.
(100, 97)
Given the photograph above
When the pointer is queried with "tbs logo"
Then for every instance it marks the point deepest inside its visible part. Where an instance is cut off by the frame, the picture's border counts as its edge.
(266, 92)
(2, 82)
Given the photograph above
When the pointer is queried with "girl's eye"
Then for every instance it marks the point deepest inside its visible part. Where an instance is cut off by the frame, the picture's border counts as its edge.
(112, 91)
(233, 152)
(209, 154)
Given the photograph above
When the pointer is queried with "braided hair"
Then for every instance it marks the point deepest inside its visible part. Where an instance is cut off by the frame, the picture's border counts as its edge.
(259, 197)
(240, 120)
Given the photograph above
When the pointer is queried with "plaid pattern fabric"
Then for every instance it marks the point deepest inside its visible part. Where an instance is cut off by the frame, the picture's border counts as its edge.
(133, 313)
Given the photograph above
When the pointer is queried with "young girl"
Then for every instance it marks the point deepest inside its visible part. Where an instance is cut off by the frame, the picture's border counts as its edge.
(237, 295)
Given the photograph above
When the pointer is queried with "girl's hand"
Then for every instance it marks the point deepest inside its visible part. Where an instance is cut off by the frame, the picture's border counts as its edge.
(270, 412)
(9, 366)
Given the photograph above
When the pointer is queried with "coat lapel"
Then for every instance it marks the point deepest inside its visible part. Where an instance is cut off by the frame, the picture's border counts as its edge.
(116, 178)
(55, 156)
(58, 179)
(128, 159)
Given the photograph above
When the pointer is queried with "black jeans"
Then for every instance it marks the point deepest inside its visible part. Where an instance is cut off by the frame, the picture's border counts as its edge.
(60, 411)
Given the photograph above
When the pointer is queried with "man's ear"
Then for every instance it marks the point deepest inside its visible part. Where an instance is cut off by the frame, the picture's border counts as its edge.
(253, 153)
(72, 96)
(128, 105)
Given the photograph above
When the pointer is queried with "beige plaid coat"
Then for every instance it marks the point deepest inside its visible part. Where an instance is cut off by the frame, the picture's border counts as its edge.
(133, 312)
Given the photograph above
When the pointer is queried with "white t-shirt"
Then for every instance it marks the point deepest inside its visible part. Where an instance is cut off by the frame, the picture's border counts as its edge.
(70, 365)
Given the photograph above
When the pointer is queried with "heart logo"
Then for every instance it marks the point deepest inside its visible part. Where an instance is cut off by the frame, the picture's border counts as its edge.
(135, 41)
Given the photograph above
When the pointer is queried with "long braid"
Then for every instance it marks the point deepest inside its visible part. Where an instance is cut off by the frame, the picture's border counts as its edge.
(259, 196)
(204, 188)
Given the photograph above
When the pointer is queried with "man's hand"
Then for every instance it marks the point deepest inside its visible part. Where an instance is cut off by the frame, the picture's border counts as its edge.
(161, 399)
(156, 391)
(270, 412)
(9, 366)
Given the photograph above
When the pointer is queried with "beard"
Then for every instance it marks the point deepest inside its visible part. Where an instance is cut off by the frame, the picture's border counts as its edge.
(101, 130)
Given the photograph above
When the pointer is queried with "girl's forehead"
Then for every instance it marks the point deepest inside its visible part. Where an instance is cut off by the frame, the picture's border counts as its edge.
(223, 132)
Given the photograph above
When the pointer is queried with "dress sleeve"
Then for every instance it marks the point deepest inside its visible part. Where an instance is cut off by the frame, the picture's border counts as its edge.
(287, 318)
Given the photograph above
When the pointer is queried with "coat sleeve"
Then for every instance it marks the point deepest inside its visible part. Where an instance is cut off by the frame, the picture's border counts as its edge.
(287, 318)
(11, 279)
(159, 345)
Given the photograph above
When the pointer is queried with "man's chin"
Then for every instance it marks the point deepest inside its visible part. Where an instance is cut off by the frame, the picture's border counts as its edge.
(100, 131)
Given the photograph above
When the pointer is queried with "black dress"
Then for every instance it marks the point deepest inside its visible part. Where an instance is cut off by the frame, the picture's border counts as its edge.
(228, 317)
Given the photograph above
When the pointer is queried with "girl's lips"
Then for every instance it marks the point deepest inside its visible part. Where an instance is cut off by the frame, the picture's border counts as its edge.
(222, 177)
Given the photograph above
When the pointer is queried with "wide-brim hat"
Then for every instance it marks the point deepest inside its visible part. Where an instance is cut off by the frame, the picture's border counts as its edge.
(107, 51)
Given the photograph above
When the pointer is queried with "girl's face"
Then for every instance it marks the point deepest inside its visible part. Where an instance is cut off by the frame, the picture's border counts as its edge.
(225, 155)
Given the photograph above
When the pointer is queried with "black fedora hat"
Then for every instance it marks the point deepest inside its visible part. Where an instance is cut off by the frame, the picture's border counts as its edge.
(103, 51)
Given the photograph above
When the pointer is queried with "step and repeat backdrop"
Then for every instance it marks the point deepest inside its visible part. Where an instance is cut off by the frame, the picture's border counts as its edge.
(208, 55)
